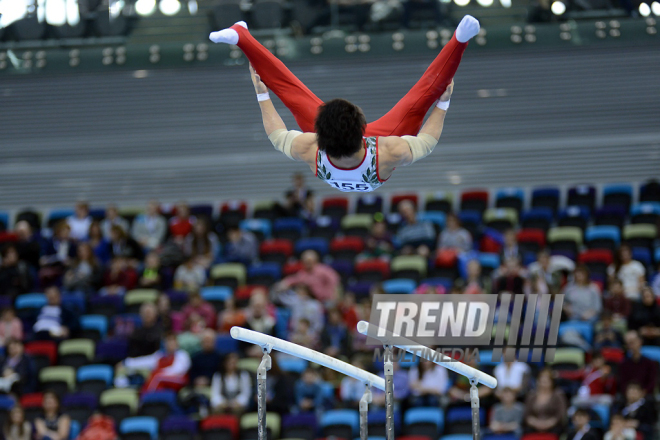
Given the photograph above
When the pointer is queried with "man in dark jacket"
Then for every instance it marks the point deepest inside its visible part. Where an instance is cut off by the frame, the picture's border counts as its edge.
(55, 321)
(205, 363)
(581, 429)
(17, 369)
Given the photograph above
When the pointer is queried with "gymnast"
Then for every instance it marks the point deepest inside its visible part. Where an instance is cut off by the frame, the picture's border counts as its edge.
(336, 141)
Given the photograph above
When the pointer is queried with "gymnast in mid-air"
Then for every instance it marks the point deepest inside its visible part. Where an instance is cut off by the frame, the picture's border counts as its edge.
(336, 141)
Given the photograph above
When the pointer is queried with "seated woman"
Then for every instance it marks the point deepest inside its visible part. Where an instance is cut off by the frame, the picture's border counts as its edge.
(84, 274)
(545, 406)
(428, 382)
(16, 427)
(54, 425)
(230, 388)
(645, 317)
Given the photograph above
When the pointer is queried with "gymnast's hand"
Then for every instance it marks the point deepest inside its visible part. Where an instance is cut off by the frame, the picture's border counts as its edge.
(259, 86)
(448, 91)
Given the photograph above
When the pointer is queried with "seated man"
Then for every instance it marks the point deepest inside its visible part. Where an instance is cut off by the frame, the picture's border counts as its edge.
(415, 237)
(55, 321)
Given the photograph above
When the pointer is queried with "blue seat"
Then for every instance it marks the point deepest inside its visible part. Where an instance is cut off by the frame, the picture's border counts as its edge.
(288, 223)
(178, 423)
(4, 220)
(617, 195)
(75, 301)
(30, 301)
(292, 364)
(348, 417)
(264, 273)
(500, 437)
(167, 397)
(74, 429)
(447, 283)
(486, 359)
(470, 217)
(460, 414)
(112, 351)
(320, 245)
(488, 260)
(408, 360)
(602, 237)
(582, 195)
(202, 210)
(603, 412)
(399, 285)
(651, 352)
(96, 372)
(258, 226)
(657, 255)
(216, 293)
(282, 317)
(610, 215)
(643, 255)
(226, 344)
(425, 415)
(379, 417)
(58, 214)
(510, 198)
(6, 402)
(147, 425)
(646, 212)
(438, 218)
(585, 329)
(537, 218)
(95, 322)
(545, 198)
(575, 212)
(361, 289)
(457, 437)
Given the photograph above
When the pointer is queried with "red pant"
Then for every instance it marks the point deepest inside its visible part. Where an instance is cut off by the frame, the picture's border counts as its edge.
(405, 118)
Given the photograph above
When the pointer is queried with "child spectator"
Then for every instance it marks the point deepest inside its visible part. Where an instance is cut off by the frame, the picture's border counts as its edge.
(151, 277)
(508, 415)
(454, 236)
(196, 305)
(581, 428)
(335, 338)
(639, 413)
(10, 326)
(606, 335)
(230, 388)
(119, 278)
(84, 274)
(598, 383)
(190, 276)
(79, 222)
(351, 389)
(619, 430)
(308, 391)
(304, 335)
(645, 318)
(617, 303)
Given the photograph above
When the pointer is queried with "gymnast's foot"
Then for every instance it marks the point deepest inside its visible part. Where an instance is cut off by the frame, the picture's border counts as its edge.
(229, 35)
(467, 28)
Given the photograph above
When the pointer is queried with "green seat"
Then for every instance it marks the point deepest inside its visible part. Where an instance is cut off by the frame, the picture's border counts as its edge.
(230, 270)
(357, 224)
(76, 352)
(58, 374)
(251, 421)
(639, 230)
(120, 396)
(439, 201)
(189, 342)
(501, 219)
(409, 266)
(130, 212)
(565, 238)
(573, 356)
(248, 364)
(140, 296)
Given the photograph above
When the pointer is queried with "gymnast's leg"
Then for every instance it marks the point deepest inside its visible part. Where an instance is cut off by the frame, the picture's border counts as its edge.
(407, 116)
(293, 93)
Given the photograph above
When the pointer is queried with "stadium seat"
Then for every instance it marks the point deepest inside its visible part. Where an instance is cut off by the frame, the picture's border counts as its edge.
(342, 423)
(111, 351)
(567, 359)
(540, 436)
(159, 404)
(398, 198)
(276, 251)
(80, 406)
(376, 423)
(566, 238)
(336, 207)
(438, 218)
(225, 344)
(266, 274)
(603, 416)
(300, 426)
(476, 200)
(584, 328)
(133, 299)
(139, 428)
(446, 283)
(643, 255)
(95, 379)
(220, 427)
(201, 210)
(292, 267)
(250, 421)
(373, 270)
(43, 353)
(656, 255)
(344, 268)
(29, 303)
(32, 405)
(369, 204)
(360, 289)
(319, 245)
(119, 403)
(58, 379)
(603, 237)
(610, 216)
(650, 191)
(399, 286)
(6, 404)
(346, 248)
(233, 212)
(56, 215)
(358, 225)
(439, 201)
(445, 264)
(510, 198)
(178, 428)
(501, 219)
(546, 198)
(228, 274)
(582, 195)
(427, 422)
(597, 260)
(94, 327)
(640, 235)
(619, 195)
(537, 218)
(500, 437)
(249, 364)
(471, 220)
(458, 420)
(261, 228)
(531, 240)
(289, 228)
(489, 262)
(324, 227)
(647, 212)
(264, 209)
(577, 216)
(178, 299)
(613, 354)
(651, 352)
(74, 429)
(108, 305)
(291, 364)
(409, 266)
(75, 302)
(76, 352)
(243, 294)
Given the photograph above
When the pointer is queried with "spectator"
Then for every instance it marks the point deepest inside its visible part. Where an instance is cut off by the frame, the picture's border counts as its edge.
(15, 277)
(427, 381)
(54, 425)
(242, 246)
(581, 428)
(606, 335)
(279, 384)
(507, 416)
(202, 244)
(145, 340)
(299, 193)
(351, 389)
(182, 222)
(230, 388)
(152, 274)
(308, 391)
(10, 326)
(619, 430)
(598, 383)
(415, 237)
(476, 283)
(582, 298)
(323, 281)
(230, 316)
(84, 274)
(16, 427)
(510, 277)
(205, 363)
(80, 221)
(645, 318)
(549, 268)
(121, 245)
(379, 241)
(301, 303)
(639, 413)
(190, 276)
(545, 406)
(617, 303)
(59, 250)
(197, 306)
(510, 248)
(401, 387)
(335, 338)
(164, 310)
(308, 211)
(149, 229)
(112, 218)
(99, 244)
(637, 367)
(28, 246)
(19, 374)
(454, 236)
(119, 278)
(630, 272)
(303, 334)
(169, 368)
(256, 314)
(655, 283)
(55, 321)
(460, 390)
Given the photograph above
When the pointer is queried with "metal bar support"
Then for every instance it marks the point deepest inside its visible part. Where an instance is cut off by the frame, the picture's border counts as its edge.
(389, 393)
(264, 366)
(474, 403)
(364, 410)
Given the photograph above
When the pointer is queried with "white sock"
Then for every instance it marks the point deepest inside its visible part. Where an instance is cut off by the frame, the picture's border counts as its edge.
(467, 28)
(228, 36)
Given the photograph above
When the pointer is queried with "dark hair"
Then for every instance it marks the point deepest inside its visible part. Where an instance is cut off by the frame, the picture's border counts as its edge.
(339, 128)
(6, 429)
(582, 412)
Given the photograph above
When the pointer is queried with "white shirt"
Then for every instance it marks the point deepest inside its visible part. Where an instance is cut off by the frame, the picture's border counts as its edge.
(511, 376)
(629, 274)
(434, 379)
(237, 385)
(79, 227)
